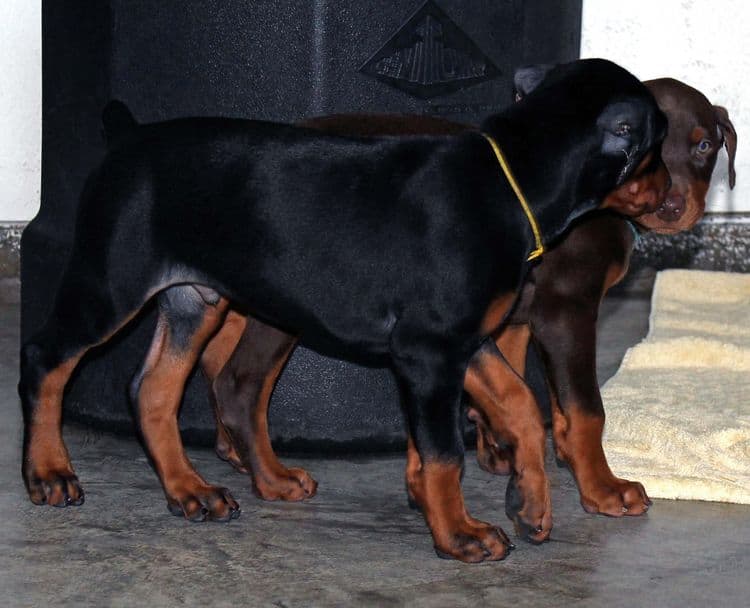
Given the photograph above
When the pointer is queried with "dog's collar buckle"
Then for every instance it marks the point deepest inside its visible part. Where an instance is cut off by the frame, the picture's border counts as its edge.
(539, 250)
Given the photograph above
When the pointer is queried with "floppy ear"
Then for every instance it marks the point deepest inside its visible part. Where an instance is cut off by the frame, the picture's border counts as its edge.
(528, 78)
(730, 139)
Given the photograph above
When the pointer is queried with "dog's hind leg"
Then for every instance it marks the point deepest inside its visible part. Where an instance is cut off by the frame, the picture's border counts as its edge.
(242, 385)
(82, 316)
(188, 317)
(46, 467)
(214, 358)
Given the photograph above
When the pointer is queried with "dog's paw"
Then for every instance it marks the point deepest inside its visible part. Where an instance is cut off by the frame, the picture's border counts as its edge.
(491, 457)
(226, 452)
(290, 485)
(203, 502)
(473, 542)
(530, 510)
(58, 488)
(615, 498)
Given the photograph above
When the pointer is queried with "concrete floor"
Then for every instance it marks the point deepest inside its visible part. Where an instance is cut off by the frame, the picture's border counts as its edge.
(355, 544)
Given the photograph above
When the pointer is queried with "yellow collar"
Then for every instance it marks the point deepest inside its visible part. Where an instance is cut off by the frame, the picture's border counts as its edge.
(521, 199)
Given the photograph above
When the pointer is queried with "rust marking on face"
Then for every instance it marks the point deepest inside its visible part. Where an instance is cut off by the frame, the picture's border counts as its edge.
(643, 192)
(698, 134)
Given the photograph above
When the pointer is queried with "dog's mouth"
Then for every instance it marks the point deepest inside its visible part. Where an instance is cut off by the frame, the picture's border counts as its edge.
(645, 188)
(679, 211)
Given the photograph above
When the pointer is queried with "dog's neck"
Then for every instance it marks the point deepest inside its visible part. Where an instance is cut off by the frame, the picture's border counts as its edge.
(552, 196)
(539, 247)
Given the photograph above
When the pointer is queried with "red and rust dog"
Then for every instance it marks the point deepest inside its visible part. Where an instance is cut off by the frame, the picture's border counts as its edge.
(425, 248)
(560, 303)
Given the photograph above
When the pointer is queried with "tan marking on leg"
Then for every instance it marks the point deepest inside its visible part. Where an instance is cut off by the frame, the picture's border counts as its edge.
(413, 468)
(48, 472)
(271, 479)
(513, 342)
(436, 488)
(512, 416)
(215, 356)
(242, 391)
(496, 312)
(578, 441)
(221, 346)
(225, 450)
(165, 372)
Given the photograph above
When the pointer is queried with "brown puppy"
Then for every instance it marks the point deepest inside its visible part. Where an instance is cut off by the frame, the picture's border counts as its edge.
(561, 309)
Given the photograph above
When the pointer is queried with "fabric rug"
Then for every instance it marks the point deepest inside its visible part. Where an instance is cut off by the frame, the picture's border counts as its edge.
(678, 409)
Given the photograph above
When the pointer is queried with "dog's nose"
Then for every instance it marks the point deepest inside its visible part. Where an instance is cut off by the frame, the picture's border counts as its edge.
(672, 208)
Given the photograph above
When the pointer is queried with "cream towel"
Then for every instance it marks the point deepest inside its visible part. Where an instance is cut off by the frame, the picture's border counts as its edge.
(678, 409)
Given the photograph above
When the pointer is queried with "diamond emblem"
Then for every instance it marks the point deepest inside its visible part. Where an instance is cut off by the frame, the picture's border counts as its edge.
(430, 56)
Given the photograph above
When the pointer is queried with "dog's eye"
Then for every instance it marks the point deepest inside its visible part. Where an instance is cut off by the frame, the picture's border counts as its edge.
(704, 146)
(623, 128)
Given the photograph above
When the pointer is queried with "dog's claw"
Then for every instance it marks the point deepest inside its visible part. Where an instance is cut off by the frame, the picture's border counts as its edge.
(56, 489)
(292, 485)
(532, 521)
(615, 498)
(479, 543)
(204, 503)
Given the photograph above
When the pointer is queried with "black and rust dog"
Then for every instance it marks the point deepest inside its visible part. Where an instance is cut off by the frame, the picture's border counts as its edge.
(560, 302)
(405, 249)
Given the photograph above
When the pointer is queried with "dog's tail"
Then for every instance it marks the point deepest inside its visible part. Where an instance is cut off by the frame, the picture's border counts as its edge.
(117, 122)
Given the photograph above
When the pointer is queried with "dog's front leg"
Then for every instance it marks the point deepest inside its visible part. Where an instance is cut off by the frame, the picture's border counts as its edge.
(566, 336)
(242, 381)
(431, 380)
(511, 416)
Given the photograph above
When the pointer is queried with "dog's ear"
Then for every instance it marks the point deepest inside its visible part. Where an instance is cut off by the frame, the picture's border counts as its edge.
(730, 139)
(529, 77)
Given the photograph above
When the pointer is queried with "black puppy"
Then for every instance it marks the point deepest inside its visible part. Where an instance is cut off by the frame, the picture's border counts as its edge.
(407, 249)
